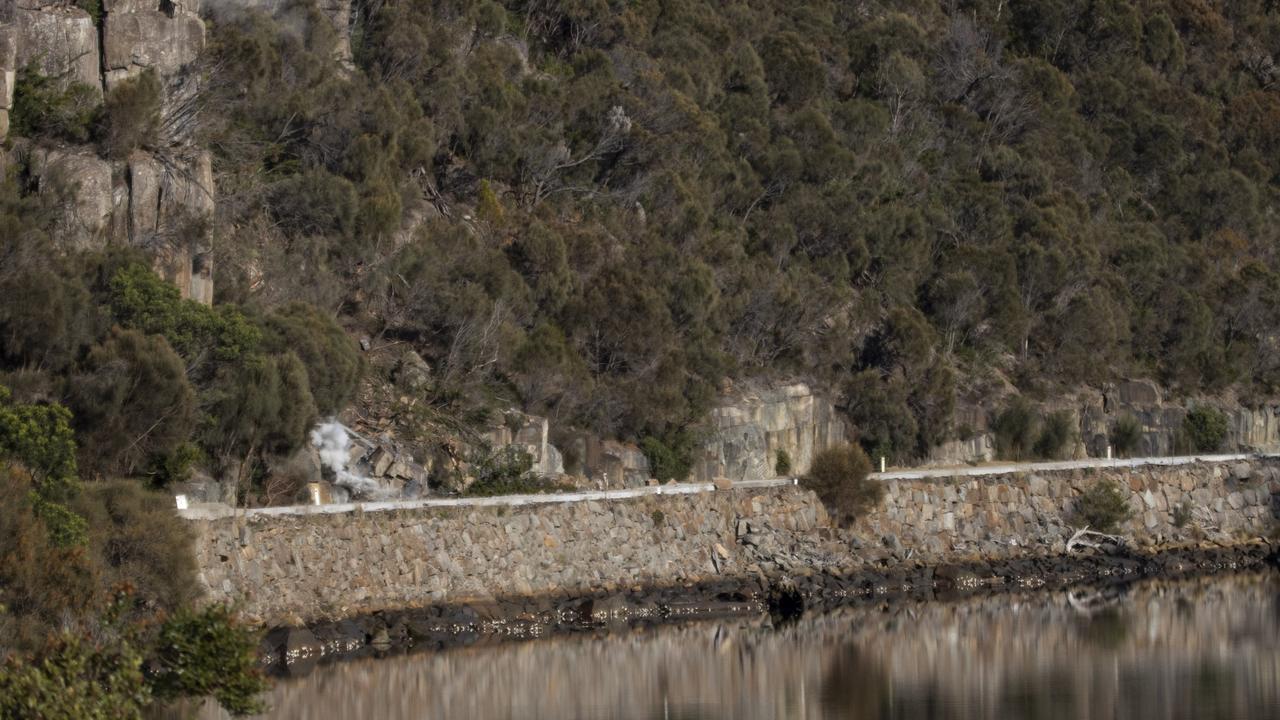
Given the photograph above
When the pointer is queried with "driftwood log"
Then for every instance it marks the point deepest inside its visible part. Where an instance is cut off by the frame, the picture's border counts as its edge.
(1084, 537)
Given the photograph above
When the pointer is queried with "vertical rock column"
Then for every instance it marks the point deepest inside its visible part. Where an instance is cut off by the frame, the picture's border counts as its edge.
(8, 73)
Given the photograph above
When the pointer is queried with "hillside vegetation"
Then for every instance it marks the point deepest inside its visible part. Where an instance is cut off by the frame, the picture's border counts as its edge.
(598, 210)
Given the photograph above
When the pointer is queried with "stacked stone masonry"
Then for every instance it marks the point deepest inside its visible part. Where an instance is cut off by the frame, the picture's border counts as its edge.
(296, 568)
(303, 567)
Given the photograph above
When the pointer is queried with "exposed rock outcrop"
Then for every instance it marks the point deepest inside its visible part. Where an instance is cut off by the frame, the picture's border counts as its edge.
(529, 434)
(608, 463)
(159, 204)
(8, 73)
(83, 182)
(138, 35)
(60, 39)
(747, 430)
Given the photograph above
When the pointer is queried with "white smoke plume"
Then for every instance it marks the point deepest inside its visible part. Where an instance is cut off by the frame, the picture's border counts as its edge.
(332, 441)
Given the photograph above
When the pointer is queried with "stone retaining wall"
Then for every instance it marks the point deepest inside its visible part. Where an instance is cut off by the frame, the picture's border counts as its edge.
(991, 514)
(297, 569)
(300, 568)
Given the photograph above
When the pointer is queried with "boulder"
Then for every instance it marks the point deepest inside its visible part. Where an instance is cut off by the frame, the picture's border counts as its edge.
(380, 462)
(412, 372)
(722, 483)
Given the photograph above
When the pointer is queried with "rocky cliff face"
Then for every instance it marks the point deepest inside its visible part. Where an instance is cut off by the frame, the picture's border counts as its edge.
(748, 430)
(1095, 413)
(155, 201)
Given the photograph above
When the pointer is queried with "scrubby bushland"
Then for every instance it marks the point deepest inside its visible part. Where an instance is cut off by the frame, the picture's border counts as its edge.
(138, 541)
(839, 476)
(1203, 430)
(909, 195)
(94, 579)
(1103, 507)
(601, 210)
(157, 383)
(119, 670)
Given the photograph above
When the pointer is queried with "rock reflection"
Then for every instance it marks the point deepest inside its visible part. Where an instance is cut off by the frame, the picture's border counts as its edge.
(1199, 649)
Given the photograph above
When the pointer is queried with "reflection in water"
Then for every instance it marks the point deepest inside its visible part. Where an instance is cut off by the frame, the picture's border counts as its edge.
(1202, 649)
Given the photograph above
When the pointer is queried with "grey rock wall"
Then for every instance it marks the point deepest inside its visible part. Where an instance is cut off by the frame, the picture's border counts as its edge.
(746, 430)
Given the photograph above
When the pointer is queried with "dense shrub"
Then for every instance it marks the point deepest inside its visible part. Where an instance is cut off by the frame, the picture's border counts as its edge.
(132, 403)
(670, 457)
(1126, 435)
(130, 115)
(1057, 435)
(51, 107)
(75, 678)
(41, 439)
(1204, 429)
(207, 653)
(839, 476)
(1015, 430)
(1103, 507)
(781, 463)
(140, 542)
(331, 357)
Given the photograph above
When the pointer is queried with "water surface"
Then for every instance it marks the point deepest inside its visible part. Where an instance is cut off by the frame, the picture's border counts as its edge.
(1204, 650)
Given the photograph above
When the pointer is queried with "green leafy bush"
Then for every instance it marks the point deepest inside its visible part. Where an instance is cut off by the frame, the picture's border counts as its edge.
(1103, 507)
(1204, 429)
(839, 476)
(781, 463)
(670, 457)
(330, 356)
(75, 678)
(66, 528)
(1126, 435)
(207, 653)
(41, 439)
(51, 107)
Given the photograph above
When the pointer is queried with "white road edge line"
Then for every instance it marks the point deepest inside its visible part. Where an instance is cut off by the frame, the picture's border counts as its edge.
(214, 512)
